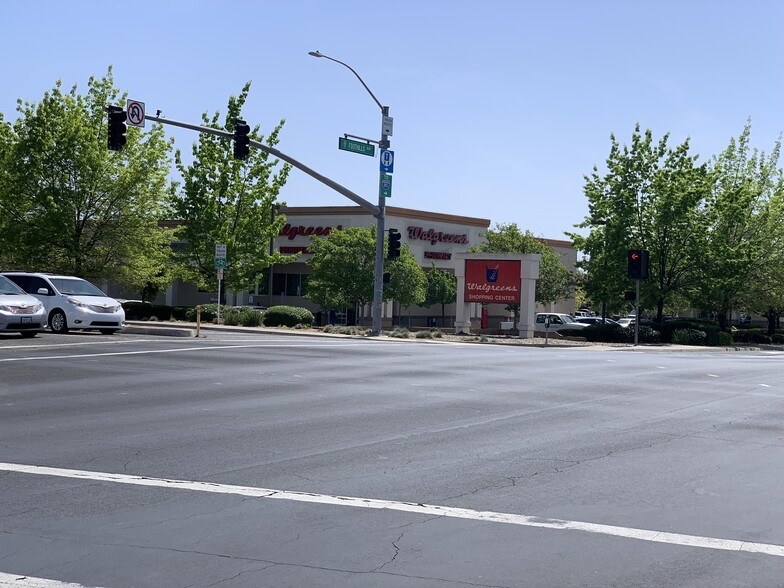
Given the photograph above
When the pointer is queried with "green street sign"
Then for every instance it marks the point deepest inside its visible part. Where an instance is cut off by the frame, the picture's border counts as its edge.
(385, 185)
(221, 263)
(356, 146)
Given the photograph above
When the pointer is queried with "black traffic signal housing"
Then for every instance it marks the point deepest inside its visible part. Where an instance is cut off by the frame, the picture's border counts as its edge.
(241, 140)
(117, 128)
(393, 247)
(637, 264)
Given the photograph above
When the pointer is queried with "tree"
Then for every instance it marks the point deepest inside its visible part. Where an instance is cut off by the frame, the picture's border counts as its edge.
(555, 281)
(70, 205)
(648, 199)
(441, 289)
(230, 201)
(740, 231)
(343, 270)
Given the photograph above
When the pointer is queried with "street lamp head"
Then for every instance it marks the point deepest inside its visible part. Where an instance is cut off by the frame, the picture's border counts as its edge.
(315, 54)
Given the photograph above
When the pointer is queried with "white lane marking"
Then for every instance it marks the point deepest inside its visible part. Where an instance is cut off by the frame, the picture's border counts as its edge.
(765, 385)
(8, 580)
(179, 350)
(661, 367)
(412, 507)
(712, 376)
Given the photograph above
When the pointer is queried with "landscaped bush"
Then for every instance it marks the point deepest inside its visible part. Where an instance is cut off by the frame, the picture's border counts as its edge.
(724, 338)
(287, 316)
(755, 335)
(345, 330)
(778, 339)
(399, 333)
(606, 333)
(710, 328)
(647, 334)
(209, 313)
(424, 335)
(241, 315)
(688, 337)
(572, 332)
(136, 311)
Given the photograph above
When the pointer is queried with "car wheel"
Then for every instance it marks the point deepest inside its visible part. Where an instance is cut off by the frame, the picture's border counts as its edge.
(108, 331)
(28, 334)
(57, 322)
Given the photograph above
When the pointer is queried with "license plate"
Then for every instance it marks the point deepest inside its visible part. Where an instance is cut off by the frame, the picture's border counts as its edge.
(26, 319)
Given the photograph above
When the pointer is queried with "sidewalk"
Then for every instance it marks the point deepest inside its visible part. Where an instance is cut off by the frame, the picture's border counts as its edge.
(184, 329)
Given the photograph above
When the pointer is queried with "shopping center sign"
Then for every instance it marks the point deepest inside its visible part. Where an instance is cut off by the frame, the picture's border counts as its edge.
(492, 281)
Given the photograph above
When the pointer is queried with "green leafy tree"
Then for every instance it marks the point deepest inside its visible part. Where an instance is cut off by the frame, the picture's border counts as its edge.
(649, 198)
(70, 205)
(224, 200)
(343, 271)
(740, 231)
(441, 289)
(555, 281)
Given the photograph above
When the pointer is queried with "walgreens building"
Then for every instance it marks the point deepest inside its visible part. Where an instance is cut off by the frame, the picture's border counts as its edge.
(433, 238)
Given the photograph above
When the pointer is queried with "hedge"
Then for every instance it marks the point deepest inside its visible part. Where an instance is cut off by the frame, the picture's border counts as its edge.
(287, 316)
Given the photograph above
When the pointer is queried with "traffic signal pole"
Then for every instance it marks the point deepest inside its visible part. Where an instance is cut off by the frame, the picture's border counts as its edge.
(375, 210)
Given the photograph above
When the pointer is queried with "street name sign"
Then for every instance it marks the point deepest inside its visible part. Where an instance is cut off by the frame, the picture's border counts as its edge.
(356, 146)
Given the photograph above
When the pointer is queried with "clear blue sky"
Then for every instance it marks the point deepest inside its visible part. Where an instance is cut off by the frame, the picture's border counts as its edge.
(500, 107)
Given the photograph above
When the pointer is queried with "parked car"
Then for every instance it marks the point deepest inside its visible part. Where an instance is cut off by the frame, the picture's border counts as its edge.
(557, 322)
(626, 322)
(594, 320)
(71, 302)
(20, 312)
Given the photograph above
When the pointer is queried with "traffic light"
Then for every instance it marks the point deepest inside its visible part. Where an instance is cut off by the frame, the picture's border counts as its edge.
(241, 141)
(637, 264)
(393, 251)
(117, 128)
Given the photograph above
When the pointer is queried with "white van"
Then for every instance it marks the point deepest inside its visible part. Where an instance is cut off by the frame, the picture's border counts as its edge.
(71, 302)
(20, 312)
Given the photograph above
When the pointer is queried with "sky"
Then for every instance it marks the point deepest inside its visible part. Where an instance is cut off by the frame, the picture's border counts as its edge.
(500, 108)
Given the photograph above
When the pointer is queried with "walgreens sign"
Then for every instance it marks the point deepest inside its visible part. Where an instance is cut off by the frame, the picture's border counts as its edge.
(492, 281)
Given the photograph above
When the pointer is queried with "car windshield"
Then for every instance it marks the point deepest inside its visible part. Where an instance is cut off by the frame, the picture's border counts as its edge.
(76, 287)
(8, 287)
(567, 319)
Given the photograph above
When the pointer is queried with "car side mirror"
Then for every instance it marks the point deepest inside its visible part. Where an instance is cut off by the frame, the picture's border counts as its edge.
(43, 291)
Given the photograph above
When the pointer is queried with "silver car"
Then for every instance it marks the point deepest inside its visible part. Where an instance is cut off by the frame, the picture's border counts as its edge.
(20, 312)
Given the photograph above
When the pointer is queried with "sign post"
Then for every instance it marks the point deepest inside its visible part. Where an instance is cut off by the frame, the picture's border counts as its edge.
(220, 264)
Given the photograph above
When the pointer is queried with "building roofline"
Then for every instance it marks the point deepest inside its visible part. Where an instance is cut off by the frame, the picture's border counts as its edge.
(390, 211)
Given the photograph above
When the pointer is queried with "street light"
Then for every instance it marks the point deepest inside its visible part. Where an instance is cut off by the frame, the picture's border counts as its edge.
(378, 280)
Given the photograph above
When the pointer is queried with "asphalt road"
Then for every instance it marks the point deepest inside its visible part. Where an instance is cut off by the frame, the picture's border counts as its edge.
(262, 460)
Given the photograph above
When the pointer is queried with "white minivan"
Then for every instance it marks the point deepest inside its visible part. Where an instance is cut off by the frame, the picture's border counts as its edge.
(71, 302)
(20, 312)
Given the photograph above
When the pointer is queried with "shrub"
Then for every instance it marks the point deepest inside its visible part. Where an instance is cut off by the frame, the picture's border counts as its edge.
(647, 334)
(778, 338)
(437, 334)
(724, 338)
(209, 313)
(399, 333)
(424, 335)
(287, 316)
(609, 333)
(688, 337)
(751, 336)
(710, 328)
(345, 330)
(136, 311)
(572, 332)
(241, 315)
